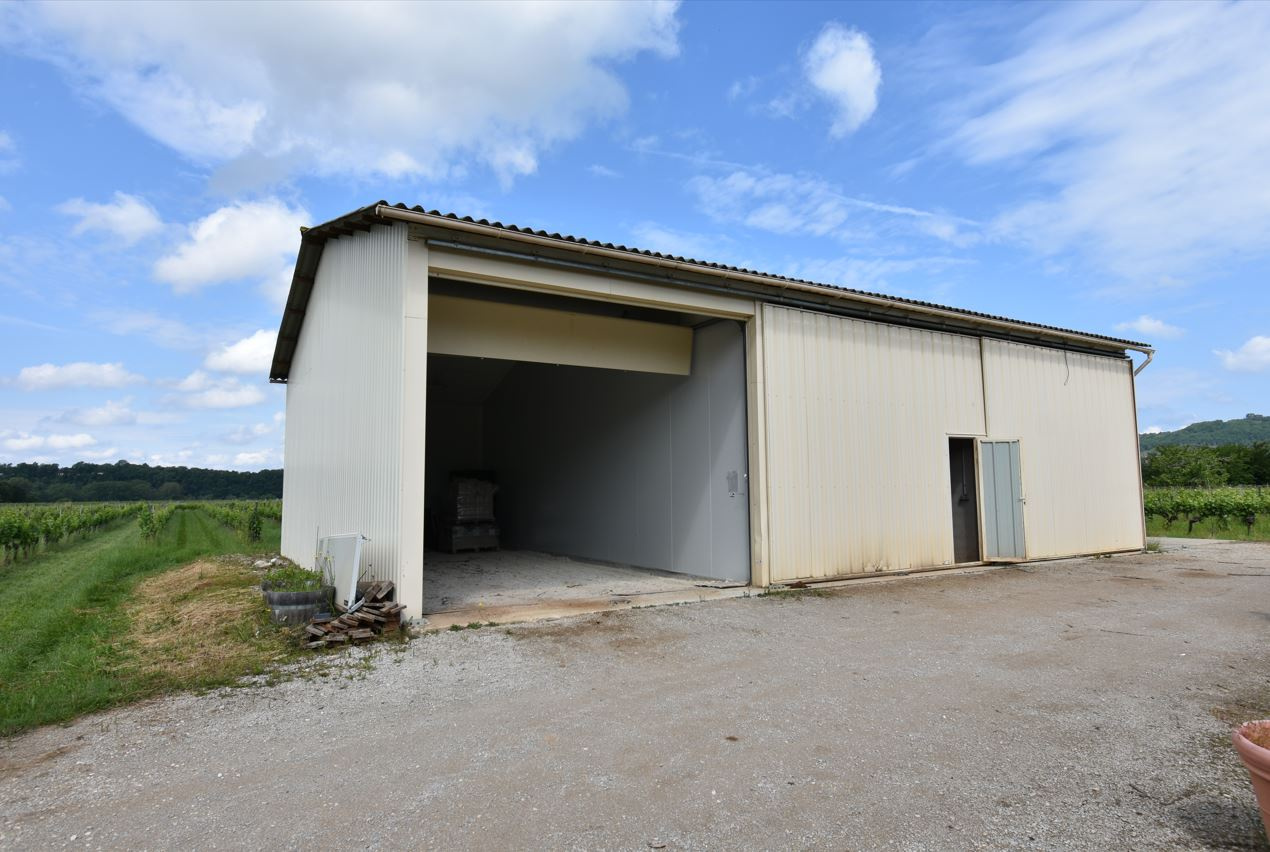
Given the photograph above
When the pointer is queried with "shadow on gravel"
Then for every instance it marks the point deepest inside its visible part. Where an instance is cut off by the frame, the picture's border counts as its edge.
(1221, 823)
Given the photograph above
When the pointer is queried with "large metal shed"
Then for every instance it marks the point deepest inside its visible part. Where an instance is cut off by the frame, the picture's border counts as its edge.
(649, 412)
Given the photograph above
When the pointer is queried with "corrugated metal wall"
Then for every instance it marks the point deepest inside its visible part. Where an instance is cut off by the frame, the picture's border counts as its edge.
(344, 400)
(858, 418)
(854, 424)
(1074, 417)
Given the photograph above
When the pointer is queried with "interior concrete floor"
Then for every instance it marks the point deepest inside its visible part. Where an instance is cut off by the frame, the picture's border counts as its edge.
(506, 578)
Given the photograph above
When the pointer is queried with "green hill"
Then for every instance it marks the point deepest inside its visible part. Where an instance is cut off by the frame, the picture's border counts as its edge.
(1213, 433)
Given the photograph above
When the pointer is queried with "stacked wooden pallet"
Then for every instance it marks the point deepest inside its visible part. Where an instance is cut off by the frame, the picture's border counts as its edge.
(375, 615)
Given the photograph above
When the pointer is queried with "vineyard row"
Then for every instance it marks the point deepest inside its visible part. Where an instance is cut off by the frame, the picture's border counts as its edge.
(25, 528)
(1197, 504)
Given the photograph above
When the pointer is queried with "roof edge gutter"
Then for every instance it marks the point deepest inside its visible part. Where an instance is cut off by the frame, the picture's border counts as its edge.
(387, 211)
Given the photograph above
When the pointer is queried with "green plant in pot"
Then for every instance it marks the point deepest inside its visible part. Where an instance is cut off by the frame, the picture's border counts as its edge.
(296, 594)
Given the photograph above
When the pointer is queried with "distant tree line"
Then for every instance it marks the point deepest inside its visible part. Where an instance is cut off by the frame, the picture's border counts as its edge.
(51, 483)
(1213, 433)
(1208, 467)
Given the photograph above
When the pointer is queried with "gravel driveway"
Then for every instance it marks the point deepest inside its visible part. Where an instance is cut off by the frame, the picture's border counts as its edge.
(1078, 705)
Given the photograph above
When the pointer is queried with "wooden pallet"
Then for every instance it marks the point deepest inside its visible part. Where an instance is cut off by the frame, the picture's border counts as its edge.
(376, 615)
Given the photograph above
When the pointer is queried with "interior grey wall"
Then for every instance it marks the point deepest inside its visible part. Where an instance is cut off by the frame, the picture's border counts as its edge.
(454, 442)
(634, 468)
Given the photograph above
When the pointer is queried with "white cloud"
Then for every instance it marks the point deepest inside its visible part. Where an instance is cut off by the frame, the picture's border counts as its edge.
(253, 459)
(70, 442)
(78, 374)
(110, 414)
(804, 204)
(195, 381)
(164, 331)
(159, 418)
(108, 453)
(655, 237)
(277, 286)
(127, 217)
(6, 319)
(602, 171)
(780, 203)
(1151, 327)
(1252, 357)
(860, 273)
(226, 396)
(743, 88)
(1152, 430)
(246, 240)
(23, 441)
(221, 81)
(247, 434)
(114, 413)
(200, 390)
(1146, 127)
(250, 355)
(878, 274)
(840, 65)
(180, 457)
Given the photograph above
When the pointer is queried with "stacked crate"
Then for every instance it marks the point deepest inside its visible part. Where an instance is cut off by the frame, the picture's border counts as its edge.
(470, 523)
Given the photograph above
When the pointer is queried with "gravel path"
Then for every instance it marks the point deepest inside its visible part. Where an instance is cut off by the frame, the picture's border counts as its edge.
(1074, 705)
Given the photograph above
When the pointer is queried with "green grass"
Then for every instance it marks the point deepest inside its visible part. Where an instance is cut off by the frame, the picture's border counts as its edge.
(64, 627)
(1211, 528)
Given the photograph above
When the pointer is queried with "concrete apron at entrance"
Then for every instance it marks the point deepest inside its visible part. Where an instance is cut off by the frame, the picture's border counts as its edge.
(581, 606)
(550, 609)
(546, 610)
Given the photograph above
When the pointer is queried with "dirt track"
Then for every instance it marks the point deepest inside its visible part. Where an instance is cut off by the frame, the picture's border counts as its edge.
(1082, 704)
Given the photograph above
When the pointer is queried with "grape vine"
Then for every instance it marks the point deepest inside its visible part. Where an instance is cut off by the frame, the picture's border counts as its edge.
(1197, 504)
(24, 529)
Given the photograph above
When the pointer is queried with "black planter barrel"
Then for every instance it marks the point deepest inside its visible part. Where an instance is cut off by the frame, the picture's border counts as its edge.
(298, 607)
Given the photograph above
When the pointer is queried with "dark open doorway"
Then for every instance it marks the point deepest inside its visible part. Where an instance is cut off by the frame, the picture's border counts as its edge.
(965, 500)
(606, 455)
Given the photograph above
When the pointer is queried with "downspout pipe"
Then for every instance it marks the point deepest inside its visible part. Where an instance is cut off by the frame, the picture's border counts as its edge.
(1150, 353)
(387, 211)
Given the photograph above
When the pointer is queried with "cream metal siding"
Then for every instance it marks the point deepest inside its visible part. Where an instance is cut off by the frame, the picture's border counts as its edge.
(1073, 415)
(343, 455)
(858, 416)
(483, 329)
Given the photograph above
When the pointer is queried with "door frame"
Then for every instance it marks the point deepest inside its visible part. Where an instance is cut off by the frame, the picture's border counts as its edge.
(475, 266)
(974, 438)
(756, 446)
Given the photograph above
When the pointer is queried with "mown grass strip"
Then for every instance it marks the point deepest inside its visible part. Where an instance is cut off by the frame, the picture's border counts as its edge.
(65, 644)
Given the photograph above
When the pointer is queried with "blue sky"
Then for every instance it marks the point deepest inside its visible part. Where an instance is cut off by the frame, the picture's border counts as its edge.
(1103, 167)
